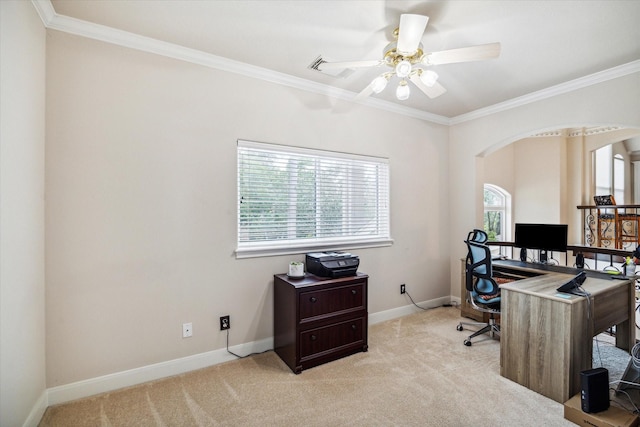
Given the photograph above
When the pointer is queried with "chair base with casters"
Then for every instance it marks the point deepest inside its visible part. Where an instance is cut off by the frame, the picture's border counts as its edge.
(491, 328)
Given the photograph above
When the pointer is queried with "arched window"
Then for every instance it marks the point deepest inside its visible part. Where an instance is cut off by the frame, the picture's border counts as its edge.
(497, 213)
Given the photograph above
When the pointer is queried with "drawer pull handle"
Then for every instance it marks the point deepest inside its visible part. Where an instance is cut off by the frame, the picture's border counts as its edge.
(313, 299)
(354, 327)
(353, 291)
(313, 338)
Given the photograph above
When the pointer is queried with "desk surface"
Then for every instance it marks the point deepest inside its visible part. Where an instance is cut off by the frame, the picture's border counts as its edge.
(542, 268)
(552, 277)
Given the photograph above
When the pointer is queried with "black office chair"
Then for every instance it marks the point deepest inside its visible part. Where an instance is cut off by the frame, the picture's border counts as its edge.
(482, 291)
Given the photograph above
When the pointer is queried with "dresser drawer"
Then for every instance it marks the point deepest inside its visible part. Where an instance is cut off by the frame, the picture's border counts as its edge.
(332, 337)
(334, 300)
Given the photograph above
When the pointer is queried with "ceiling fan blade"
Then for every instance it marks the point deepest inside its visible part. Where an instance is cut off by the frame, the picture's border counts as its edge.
(463, 54)
(365, 92)
(350, 64)
(431, 91)
(410, 33)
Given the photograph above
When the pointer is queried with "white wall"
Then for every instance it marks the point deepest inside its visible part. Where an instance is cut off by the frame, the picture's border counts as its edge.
(22, 123)
(141, 204)
(615, 102)
(540, 164)
(499, 169)
(532, 171)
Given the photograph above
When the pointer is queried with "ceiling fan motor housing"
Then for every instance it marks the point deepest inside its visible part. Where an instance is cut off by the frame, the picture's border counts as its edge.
(392, 57)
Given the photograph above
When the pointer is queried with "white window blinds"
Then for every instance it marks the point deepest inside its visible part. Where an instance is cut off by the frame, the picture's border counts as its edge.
(291, 199)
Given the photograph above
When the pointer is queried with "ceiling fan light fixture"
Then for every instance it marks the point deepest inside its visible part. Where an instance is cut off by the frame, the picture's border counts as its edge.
(429, 78)
(379, 83)
(403, 91)
(403, 69)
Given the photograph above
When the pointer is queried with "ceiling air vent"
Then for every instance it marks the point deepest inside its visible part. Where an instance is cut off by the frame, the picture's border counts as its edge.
(317, 65)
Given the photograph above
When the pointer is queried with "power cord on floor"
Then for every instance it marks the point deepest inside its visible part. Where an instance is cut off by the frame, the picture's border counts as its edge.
(454, 304)
(635, 408)
(635, 356)
(243, 357)
(597, 349)
(635, 360)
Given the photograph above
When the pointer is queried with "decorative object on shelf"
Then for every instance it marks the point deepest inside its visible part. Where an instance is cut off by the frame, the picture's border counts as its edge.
(296, 269)
(629, 268)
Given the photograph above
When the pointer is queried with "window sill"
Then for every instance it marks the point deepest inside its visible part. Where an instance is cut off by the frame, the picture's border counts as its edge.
(297, 248)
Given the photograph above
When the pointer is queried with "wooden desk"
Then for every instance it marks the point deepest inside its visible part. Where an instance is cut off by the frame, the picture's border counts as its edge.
(546, 337)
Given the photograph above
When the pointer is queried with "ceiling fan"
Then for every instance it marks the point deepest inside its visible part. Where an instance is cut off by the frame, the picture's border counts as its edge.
(406, 60)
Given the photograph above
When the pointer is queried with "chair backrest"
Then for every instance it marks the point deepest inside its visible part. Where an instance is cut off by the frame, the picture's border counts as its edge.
(607, 200)
(478, 236)
(478, 263)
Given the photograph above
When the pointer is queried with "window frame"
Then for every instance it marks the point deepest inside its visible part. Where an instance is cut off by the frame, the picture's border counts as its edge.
(281, 246)
(504, 209)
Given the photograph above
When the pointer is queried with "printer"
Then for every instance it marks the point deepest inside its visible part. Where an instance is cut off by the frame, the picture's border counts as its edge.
(332, 264)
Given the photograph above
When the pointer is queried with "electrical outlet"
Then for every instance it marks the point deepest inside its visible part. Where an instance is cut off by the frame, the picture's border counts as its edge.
(187, 330)
(402, 289)
(225, 323)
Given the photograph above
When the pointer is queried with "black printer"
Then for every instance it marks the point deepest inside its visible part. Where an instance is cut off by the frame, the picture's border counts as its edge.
(332, 264)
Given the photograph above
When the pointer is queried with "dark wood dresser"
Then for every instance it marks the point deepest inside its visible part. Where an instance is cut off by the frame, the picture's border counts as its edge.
(319, 319)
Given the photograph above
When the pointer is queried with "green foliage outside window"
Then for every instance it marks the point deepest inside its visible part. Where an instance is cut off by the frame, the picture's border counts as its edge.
(493, 214)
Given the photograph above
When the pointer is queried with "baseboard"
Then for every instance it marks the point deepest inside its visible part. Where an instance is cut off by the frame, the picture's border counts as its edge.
(37, 411)
(90, 387)
(93, 386)
(406, 310)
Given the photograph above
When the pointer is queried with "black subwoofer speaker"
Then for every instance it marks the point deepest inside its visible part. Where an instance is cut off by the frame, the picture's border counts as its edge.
(580, 260)
(594, 390)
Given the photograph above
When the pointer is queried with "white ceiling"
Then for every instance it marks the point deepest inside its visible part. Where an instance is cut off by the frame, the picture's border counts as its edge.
(544, 43)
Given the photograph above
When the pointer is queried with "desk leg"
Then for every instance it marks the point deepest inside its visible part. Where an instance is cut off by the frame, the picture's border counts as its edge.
(625, 331)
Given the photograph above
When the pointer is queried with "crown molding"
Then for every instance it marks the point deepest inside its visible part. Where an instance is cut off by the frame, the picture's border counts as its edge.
(562, 88)
(551, 133)
(78, 27)
(45, 10)
(577, 132)
(66, 24)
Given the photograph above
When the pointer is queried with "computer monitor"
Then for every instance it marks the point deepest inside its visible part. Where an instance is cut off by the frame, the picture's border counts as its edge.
(545, 237)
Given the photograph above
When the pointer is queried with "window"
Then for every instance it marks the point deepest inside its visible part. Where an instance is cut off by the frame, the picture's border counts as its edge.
(618, 179)
(609, 174)
(497, 213)
(292, 200)
(603, 171)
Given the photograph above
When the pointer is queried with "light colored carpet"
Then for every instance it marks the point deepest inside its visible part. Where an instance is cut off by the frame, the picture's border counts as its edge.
(416, 372)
